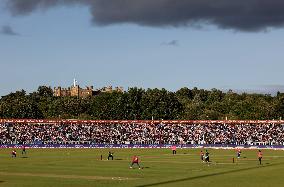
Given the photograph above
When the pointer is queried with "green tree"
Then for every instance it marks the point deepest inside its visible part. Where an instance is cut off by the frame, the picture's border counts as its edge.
(18, 105)
(160, 104)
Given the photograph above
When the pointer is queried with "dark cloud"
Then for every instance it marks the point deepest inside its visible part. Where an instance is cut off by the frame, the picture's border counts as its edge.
(244, 15)
(7, 30)
(171, 43)
(24, 7)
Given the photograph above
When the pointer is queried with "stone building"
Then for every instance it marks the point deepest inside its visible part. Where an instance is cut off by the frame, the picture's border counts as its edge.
(110, 89)
(77, 91)
(73, 91)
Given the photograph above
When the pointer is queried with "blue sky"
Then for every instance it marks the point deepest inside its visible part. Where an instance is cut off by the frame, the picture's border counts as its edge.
(54, 46)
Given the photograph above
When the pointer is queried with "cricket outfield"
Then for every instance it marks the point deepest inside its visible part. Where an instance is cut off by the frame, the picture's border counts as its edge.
(84, 167)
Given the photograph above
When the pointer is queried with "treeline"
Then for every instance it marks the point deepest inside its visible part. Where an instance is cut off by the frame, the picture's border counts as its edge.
(140, 104)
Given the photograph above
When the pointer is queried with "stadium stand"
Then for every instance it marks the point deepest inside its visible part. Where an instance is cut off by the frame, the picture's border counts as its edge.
(141, 132)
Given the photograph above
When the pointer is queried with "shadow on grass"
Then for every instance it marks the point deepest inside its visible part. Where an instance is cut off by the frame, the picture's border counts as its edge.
(210, 175)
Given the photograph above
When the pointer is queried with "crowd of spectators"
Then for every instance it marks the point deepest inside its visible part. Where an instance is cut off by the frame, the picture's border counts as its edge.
(141, 133)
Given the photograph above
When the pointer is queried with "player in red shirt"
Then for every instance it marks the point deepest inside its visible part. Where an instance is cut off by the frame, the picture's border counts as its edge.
(239, 153)
(174, 149)
(14, 153)
(259, 154)
(135, 160)
(202, 156)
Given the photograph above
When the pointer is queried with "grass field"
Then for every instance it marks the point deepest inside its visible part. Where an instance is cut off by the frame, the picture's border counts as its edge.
(83, 167)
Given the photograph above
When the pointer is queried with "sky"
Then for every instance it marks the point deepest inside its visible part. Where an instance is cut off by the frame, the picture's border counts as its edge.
(142, 43)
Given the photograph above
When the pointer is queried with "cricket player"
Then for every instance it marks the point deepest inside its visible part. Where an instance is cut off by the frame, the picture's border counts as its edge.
(135, 160)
